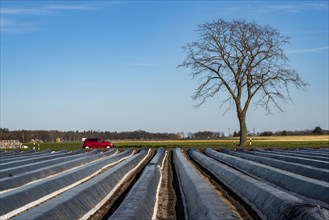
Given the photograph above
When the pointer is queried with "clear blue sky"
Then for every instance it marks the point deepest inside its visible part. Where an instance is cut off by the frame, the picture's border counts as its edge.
(103, 65)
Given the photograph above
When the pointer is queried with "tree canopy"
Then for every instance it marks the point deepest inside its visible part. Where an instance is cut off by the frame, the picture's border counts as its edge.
(242, 62)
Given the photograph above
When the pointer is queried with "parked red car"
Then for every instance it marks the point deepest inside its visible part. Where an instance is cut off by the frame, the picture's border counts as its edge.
(97, 143)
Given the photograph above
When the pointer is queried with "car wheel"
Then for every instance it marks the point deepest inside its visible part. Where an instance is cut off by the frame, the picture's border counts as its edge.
(86, 147)
(108, 147)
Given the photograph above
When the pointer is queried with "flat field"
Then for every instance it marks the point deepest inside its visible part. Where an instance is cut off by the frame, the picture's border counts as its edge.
(165, 184)
(229, 143)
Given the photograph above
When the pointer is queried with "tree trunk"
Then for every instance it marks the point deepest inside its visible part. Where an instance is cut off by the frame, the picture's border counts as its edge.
(243, 129)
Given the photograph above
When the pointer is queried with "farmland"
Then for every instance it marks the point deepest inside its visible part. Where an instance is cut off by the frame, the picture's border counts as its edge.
(232, 143)
(160, 183)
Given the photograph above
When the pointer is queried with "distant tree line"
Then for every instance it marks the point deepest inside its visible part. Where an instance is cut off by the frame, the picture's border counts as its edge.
(53, 135)
(315, 131)
(69, 136)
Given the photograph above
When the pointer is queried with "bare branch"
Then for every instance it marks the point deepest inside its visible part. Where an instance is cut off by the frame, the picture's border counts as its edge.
(241, 60)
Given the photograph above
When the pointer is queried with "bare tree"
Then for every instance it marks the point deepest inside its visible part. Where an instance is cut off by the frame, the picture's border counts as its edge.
(242, 61)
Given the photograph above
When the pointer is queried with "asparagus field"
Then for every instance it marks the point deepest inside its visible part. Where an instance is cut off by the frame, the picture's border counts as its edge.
(159, 183)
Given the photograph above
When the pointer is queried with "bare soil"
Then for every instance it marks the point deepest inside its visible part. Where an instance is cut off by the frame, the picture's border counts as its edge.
(167, 196)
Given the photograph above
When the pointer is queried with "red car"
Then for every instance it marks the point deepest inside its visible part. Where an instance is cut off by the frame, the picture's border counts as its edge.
(97, 143)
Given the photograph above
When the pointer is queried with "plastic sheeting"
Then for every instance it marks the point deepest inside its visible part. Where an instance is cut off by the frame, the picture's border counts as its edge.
(34, 154)
(16, 199)
(17, 154)
(305, 170)
(80, 202)
(283, 179)
(311, 162)
(141, 199)
(306, 153)
(159, 157)
(21, 179)
(200, 201)
(50, 160)
(296, 154)
(321, 151)
(267, 201)
(25, 156)
(36, 158)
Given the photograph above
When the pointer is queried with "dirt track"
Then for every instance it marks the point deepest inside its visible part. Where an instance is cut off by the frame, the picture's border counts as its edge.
(167, 195)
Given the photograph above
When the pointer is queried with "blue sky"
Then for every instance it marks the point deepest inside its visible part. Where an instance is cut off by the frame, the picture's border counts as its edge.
(112, 65)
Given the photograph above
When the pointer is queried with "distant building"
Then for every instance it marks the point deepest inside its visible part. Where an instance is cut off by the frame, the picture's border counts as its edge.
(10, 144)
